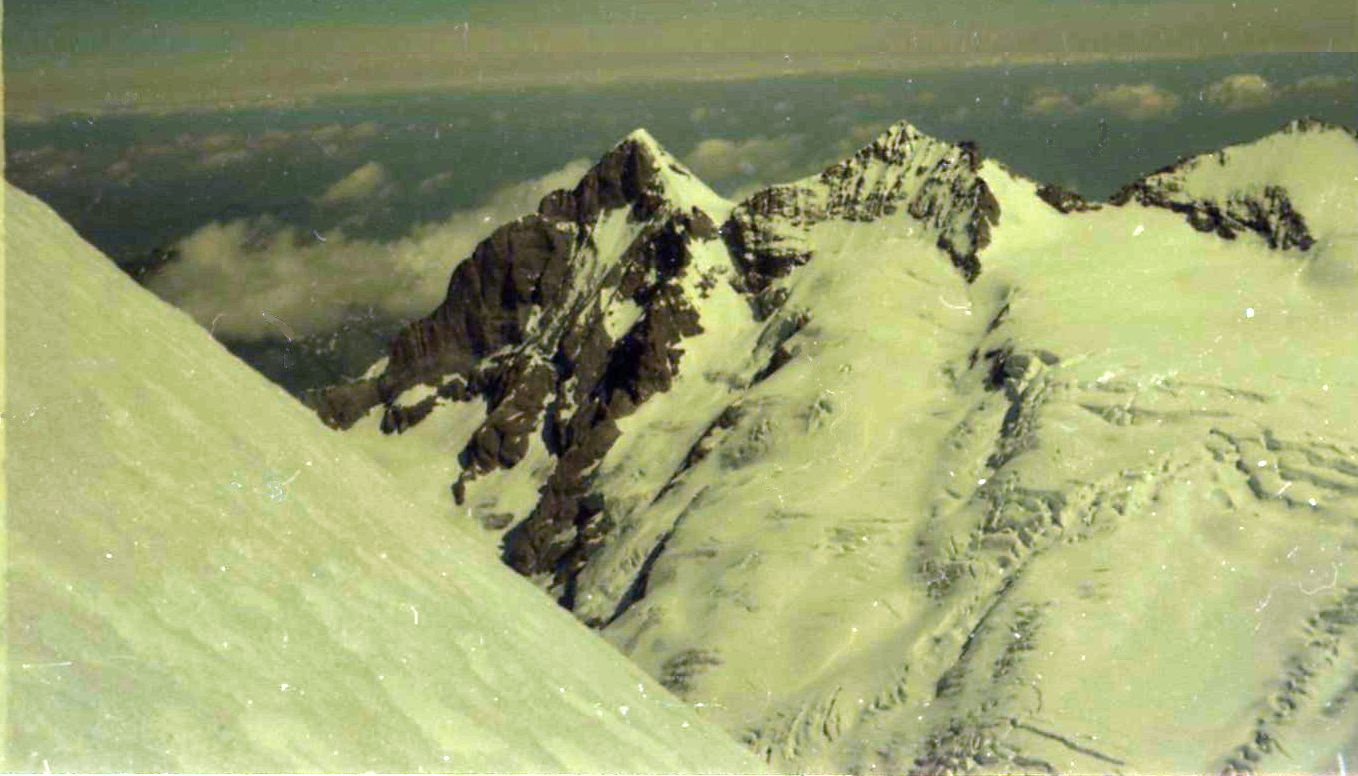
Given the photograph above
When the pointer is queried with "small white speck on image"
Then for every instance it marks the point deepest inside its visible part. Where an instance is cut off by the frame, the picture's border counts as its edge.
(1138, 230)
(1249, 312)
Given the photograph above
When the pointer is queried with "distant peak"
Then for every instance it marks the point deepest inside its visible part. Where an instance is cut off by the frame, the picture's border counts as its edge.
(1226, 155)
(1307, 124)
(902, 143)
(638, 172)
(642, 143)
(902, 128)
(643, 137)
(902, 131)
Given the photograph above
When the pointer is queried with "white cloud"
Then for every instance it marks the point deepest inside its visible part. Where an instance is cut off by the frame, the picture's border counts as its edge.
(1050, 102)
(436, 182)
(233, 273)
(365, 182)
(337, 139)
(1241, 91)
(1138, 102)
(1324, 85)
(770, 159)
(224, 158)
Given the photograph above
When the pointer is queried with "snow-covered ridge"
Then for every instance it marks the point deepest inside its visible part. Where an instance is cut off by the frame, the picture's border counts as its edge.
(876, 506)
(202, 579)
(932, 181)
(1254, 187)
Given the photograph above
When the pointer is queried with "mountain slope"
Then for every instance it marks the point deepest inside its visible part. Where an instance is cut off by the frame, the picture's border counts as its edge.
(204, 578)
(939, 469)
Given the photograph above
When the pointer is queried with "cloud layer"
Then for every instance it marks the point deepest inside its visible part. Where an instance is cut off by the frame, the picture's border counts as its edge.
(242, 277)
(1242, 91)
(366, 182)
(1138, 102)
(290, 59)
(1148, 101)
(200, 153)
(732, 164)
(1134, 102)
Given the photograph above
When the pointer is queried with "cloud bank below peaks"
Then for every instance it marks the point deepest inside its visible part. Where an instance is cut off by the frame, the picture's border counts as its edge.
(241, 277)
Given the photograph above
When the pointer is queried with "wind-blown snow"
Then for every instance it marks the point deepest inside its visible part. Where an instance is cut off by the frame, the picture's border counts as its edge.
(204, 578)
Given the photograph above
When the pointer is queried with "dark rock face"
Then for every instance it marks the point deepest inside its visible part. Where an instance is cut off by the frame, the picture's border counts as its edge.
(625, 176)
(761, 256)
(1265, 210)
(1268, 213)
(1063, 199)
(569, 522)
(521, 268)
(523, 329)
(516, 401)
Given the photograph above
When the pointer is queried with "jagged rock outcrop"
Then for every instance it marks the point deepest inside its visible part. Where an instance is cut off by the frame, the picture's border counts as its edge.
(525, 328)
(1063, 199)
(1269, 213)
(1212, 198)
(558, 535)
(934, 182)
(522, 268)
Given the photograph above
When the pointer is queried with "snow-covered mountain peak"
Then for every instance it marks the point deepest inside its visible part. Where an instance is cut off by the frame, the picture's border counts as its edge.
(637, 172)
(532, 276)
(1281, 186)
(643, 139)
(896, 144)
(936, 183)
(882, 457)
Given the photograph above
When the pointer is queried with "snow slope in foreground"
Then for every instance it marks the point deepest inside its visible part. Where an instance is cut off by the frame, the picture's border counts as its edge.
(204, 578)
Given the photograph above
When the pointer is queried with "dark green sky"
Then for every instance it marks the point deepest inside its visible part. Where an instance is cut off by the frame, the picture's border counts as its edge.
(99, 55)
(32, 15)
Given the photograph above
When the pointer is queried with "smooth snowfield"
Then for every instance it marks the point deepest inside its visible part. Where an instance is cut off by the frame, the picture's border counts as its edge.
(204, 578)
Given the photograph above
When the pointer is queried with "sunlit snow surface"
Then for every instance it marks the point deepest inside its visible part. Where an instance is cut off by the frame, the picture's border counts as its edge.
(1096, 511)
(1141, 555)
(204, 578)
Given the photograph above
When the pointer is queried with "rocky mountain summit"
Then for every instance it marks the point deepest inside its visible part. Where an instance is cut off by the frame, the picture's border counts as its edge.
(919, 465)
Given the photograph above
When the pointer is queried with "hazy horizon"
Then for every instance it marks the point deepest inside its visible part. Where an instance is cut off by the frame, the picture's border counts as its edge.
(335, 161)
(158, 55)
(361, 205)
